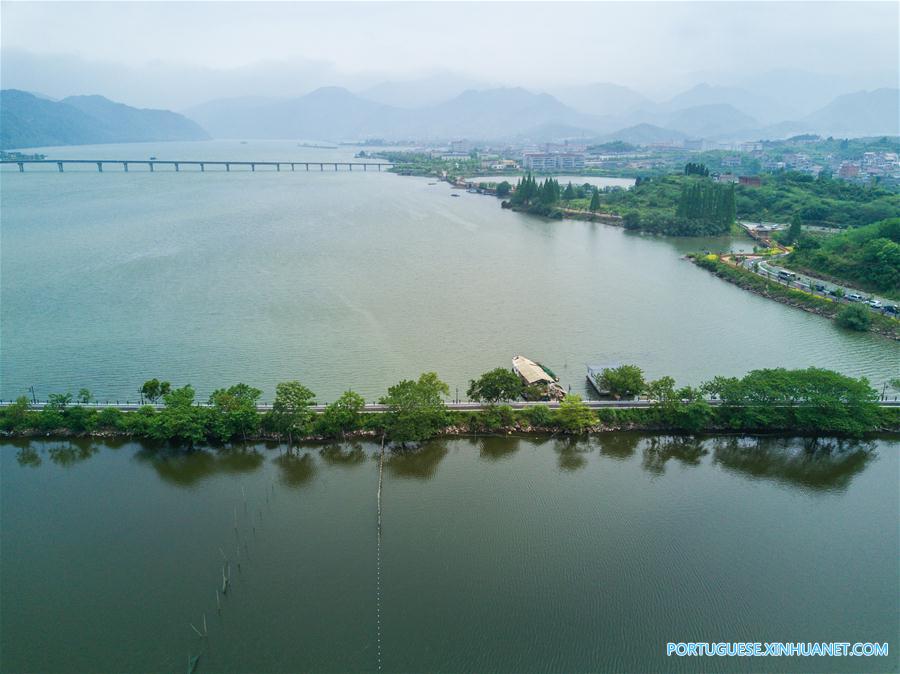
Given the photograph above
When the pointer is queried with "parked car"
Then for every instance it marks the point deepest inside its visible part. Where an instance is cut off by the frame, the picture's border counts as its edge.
(853, 297)
(891, 309)
(875, 304)
(820, 287)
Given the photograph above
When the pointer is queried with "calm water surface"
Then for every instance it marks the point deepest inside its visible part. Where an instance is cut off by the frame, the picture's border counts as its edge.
(354, 280)
(497, 554)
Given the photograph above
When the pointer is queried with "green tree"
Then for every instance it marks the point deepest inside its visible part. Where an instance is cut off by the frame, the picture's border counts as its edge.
(59, 401)
(854, 317)
(154, 389)
(415, 409)
(813, 400)
(85, 397)
(234, 412)
(595, 200)
(794, 231)
(621, 382)
(503, 189)
(495, 385)
(569, 192)
(683, 409)
(343, 415)
(573, 415)
(291, 411)
(180, 420)
(15, 415)
(631, 220)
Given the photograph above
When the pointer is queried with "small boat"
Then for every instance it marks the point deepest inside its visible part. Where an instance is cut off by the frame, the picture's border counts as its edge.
(454, 194)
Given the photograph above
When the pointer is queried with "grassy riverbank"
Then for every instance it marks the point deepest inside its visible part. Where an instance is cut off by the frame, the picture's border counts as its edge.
(882, 325)
(801, 402)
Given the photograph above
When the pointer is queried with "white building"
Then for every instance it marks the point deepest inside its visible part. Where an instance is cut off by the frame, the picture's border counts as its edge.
(553, 161)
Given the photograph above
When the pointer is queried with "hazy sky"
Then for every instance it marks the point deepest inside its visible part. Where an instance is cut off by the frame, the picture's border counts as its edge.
(288, 48)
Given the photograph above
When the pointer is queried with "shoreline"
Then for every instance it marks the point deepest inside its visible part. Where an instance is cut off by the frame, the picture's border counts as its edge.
(788, 296)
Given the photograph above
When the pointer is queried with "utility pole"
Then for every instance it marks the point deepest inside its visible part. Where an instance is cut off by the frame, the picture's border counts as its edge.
(33, 398)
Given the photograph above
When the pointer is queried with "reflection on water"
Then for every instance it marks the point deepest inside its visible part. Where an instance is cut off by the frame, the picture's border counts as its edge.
(821, 464)
(350, 454)
(296, 470)
(420, 464)
(816, 463)
(188, 468)
(571, 454)
(28, 456)
(660, 449)
(619, 446)
(496, 449)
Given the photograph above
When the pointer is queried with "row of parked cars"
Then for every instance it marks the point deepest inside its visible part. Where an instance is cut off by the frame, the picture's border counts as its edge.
(837, 292)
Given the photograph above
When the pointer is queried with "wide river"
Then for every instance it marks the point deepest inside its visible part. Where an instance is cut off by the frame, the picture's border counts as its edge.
(358, 280)
(495, 555)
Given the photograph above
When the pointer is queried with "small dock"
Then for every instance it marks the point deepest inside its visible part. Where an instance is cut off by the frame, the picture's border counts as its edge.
(594, 371)
(201, 165)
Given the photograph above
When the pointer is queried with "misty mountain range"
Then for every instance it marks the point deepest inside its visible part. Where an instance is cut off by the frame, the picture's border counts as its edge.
(423, 111)
(27, 120)
(592, 111)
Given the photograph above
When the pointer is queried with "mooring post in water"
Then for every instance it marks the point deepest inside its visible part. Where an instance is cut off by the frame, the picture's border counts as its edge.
(218, 601)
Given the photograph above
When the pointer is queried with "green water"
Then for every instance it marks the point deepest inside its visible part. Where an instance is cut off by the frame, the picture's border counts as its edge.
(497, 554)
(353, 280)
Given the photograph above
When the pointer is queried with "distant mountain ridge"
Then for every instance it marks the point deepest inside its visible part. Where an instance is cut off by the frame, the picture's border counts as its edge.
(513, 113)
(27, 120)
(606, 112)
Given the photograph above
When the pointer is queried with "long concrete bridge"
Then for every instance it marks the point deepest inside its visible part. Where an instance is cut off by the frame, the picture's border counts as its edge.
(202, 165)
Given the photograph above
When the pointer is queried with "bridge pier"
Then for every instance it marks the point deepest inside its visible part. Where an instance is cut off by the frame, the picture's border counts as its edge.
(227, 166)
(59, 165)
(21, 167)
(278, 166)
(292, 167)
(350, 166)
(307, 167)
(365, 167)
(321, 167)
(335, 167)
(176, 165)
(252, 167)
(202, 167)
(125, 166)
(99, 167)
(152, 166)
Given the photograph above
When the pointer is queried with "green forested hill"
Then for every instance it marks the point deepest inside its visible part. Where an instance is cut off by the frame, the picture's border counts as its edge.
(29, 121)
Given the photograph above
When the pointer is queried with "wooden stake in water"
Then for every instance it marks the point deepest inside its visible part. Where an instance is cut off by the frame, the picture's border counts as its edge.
(199, 633)
(205, 628)
(218, 601)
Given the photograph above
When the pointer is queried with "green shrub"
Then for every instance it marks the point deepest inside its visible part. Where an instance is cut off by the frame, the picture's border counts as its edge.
(111, 418)
(854, 317)
(539, 416)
